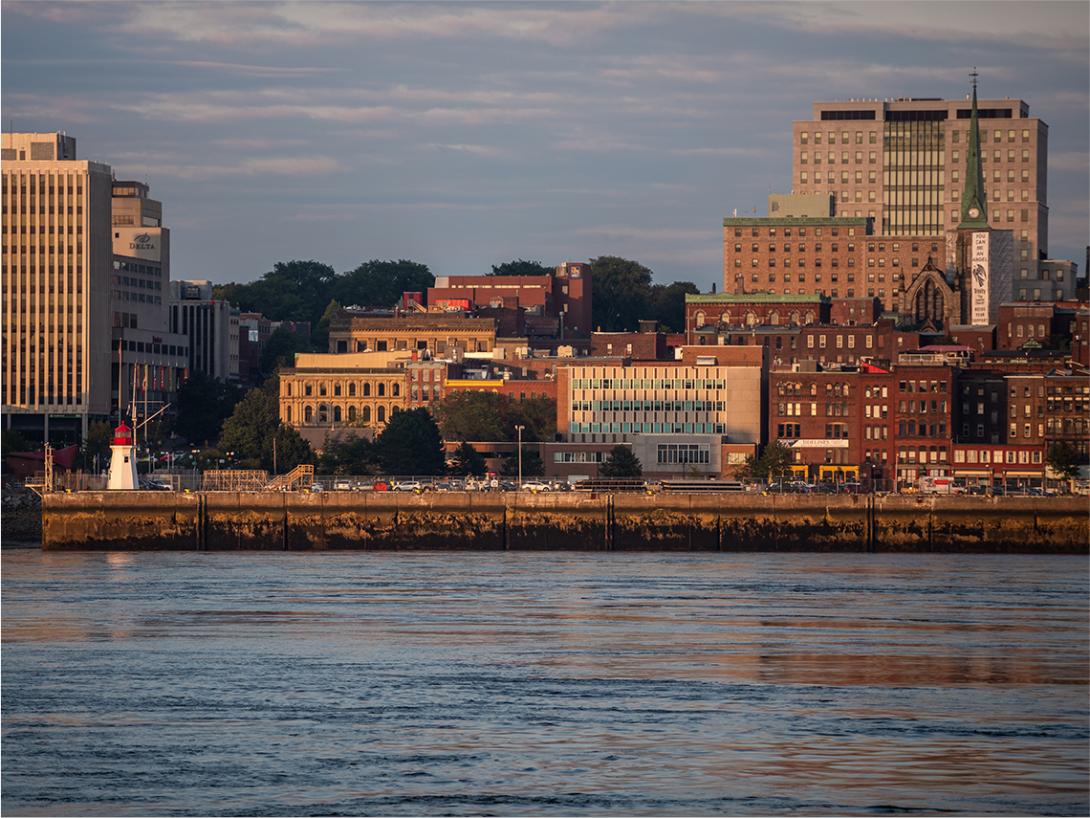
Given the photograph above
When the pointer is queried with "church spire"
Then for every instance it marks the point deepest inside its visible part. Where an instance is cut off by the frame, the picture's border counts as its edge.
(974, 202)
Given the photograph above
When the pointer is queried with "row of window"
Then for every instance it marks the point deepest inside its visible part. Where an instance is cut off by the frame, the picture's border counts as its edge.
(674, 453)
(649, 428)
(872, 136)
(323, 414)
(648, 383)
(648, 406)
(998, 456)
(324, 388)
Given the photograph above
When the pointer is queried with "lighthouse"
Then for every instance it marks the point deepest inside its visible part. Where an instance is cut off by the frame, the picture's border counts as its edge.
(122, 460)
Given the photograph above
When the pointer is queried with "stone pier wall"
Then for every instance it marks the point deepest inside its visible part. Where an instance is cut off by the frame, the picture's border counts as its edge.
(218, 521)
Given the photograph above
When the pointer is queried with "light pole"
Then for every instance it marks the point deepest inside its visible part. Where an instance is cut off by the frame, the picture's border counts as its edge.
(519, 429)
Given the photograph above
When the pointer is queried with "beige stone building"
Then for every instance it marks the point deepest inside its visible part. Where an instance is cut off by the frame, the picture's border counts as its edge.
(325, 394)
(57, 262)
(451, 336)
(902, 162)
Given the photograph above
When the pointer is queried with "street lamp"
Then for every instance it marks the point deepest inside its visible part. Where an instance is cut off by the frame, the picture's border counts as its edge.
(519, 429)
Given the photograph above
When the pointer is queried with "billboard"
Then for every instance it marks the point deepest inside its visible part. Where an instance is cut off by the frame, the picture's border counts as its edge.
(139, 242)
(981, 279)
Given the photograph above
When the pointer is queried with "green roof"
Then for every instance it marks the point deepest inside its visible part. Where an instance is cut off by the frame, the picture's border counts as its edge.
(752, 298)
(801, 221)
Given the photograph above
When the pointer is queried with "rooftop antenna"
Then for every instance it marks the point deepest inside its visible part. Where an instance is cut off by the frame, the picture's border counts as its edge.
(973, 76)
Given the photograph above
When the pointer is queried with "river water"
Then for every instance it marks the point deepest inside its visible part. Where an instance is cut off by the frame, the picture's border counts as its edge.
(559, 683)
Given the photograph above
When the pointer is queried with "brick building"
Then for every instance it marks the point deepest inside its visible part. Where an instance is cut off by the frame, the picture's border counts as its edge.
(833, 256)
(558, 304)
(442, 335)
(924, 421)
(649, 344)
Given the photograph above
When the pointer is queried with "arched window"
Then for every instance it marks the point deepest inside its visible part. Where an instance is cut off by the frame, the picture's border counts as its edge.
(724, 319)
(337, 390)
(287, 414)
(751, 319)
(308, 390)
(699, 319)
(396, 389)
(381, 390)
(366, 414)
(381, 417)
(308, 414)
(351, 390)
(323, 389)
(414, 391)
(351, 413)
(774, 318)
(323, 413)
(809, 318)
(367, 389)
(336, 414)
(795, 317)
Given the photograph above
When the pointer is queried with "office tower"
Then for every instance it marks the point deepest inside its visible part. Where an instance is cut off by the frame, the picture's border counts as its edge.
(902, 162)
(210, 326)
(57, 257)
(153, 359)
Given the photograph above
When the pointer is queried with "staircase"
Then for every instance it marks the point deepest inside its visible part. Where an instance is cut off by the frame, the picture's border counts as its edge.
(299, 477)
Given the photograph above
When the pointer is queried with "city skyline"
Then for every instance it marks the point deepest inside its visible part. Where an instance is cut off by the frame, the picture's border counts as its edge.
(464, 135)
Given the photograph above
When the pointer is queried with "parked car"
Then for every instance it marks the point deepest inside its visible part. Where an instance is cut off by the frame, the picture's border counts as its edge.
(409, 485)
(343, 485)
(851, 488)
(316, 488)
(155, 485)
(536, 486)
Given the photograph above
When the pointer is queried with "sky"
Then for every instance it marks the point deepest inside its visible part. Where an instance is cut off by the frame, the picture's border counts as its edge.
(461, 135)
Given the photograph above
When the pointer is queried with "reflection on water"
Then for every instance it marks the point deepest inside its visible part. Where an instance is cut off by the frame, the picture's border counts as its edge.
(431, 683)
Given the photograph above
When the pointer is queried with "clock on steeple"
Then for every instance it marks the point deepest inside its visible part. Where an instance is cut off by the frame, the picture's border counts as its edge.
(974, 204)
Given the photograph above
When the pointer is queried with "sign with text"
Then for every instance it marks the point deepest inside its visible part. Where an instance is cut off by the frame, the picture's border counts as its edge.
(139, 242)
(814, 443)
(979, 301)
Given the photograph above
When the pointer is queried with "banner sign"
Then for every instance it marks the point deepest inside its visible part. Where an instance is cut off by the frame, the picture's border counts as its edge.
(979, 303)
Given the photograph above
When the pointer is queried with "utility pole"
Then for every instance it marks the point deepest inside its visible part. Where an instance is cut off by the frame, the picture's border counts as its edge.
(519, 429)
(274, 453)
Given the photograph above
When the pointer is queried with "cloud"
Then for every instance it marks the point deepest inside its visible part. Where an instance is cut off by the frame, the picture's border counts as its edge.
(308, 24)
(1069, 160)
(1045, 25)
(621, 231)
(730, 152)
(491, 151)
(291, 166)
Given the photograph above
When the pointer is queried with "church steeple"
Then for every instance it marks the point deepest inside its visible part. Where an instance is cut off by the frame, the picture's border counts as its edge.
(974, 202)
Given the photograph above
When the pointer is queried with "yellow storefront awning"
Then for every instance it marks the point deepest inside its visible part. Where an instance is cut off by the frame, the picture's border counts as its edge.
(971, 473)
(798, 469)
(832, 471)
(1024, 473)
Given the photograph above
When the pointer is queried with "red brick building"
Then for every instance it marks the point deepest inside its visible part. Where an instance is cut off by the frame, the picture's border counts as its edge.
(834, 256)
(560, 300)
(924, 419)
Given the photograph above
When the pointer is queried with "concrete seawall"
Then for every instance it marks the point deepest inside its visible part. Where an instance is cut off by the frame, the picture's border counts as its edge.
(221, 521)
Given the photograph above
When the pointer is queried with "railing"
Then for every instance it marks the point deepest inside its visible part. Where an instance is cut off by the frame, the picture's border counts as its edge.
(235, 480)
(300, 477)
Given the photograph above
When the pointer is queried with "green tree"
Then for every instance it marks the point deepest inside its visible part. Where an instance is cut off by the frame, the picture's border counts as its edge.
(378, 283)
(13, 441)
(97, 444)
(411, 444)
(351, 454)
(521, 267)
(668, 304)
(1064, 459)
(293, 290)
(621, 463)
(320, 336)
(250, 428)
(773, 462)
(532, 465)
(474, 416)
(279, 351)
(203, 404)
(622, 292)
(291, 451)
(467, 460)
(537, 413)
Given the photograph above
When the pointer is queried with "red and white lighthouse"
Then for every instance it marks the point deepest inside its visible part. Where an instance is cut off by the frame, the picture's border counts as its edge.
(122, 460)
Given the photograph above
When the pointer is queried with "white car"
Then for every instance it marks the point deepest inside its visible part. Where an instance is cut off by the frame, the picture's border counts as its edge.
(536, 486)
(409, 485)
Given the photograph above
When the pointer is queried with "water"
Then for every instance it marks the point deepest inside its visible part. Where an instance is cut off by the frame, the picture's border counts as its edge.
(452, 683)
